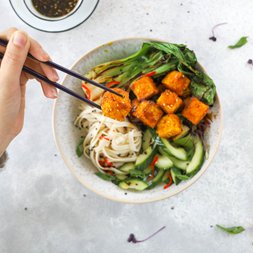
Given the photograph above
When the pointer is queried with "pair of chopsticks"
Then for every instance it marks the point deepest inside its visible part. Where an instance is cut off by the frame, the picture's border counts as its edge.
(57, 85)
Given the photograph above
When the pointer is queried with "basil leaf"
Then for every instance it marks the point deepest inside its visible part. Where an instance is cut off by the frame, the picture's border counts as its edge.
(241, 42)
(79, 148)
(231, 230)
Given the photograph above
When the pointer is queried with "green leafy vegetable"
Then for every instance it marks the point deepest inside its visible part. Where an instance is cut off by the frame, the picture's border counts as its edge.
(241, 42)
(156, 59)
(105, 176)
(231, 230)
(179, 175)
(79, 148)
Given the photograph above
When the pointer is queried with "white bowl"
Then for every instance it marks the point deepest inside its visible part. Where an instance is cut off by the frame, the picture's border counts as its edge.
(28, 14)
(67, 135)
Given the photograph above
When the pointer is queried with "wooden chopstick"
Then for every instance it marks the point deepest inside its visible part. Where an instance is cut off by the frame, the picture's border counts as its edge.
(4, 43)
(57, 85)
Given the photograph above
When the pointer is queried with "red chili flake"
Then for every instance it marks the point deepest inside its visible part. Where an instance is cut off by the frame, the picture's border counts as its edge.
(103, 137)
(151, 73)
(153, 164)
(170, 182)
(87, 90)
(112, 83)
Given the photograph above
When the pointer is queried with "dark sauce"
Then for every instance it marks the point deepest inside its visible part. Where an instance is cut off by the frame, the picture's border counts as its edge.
(54, 8)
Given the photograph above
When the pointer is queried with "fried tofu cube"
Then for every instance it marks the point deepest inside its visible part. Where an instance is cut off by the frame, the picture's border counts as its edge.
(144, 88)
(148, 112)
(169, 101)
(114, 106)
(176, 81)
(195, 110)
(169, 126)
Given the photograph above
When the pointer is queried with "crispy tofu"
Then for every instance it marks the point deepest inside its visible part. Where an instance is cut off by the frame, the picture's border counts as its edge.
(144, 88)
(195, 110)
(114, 106)
(169, 101)
(148, 112)
(176, 81)
(169, 126)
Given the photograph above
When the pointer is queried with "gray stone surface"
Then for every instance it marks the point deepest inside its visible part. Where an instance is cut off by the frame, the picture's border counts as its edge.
(60, 219)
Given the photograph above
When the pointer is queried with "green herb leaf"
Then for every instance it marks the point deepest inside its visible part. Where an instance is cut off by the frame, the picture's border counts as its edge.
(79, 148)
(179, 175)
(231, 230)
(241, 42)
(105, 176)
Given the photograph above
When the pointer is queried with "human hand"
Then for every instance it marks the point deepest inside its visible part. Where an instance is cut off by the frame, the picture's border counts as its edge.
(13, 82)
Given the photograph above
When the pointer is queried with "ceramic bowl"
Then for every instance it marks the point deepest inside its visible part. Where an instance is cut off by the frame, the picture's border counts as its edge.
(67, 135)
(28, 14)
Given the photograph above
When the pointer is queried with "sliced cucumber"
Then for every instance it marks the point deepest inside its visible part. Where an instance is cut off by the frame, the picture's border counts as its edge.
(185, 131)
(144, 159)
(126, 167)
(186, 142)
(176, 162)
(133, 184)
(157, 179)
(147, 139)
(198, 156)
(179, 153)
(175, 179)
(121, 176)
(163, 162)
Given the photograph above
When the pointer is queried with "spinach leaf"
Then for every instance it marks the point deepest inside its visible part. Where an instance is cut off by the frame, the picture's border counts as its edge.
(79, 147)
(202, 86)
(231, 230)
(241, 42)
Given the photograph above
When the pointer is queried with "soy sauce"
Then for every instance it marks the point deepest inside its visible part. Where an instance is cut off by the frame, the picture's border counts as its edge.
(54, 8)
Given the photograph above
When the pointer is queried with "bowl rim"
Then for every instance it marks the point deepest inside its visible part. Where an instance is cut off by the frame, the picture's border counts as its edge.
(121, 200)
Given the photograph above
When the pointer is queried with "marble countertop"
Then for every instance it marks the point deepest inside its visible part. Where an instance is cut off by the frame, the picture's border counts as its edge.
(43, 208)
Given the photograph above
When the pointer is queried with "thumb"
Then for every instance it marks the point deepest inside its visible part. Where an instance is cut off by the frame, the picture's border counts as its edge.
(14, 58)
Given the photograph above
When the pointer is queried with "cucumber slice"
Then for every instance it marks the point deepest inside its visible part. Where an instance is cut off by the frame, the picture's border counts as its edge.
(174, 177)
(121, 176)
(179, 153)
(198, 157)
(186, 142)
(147, 139)
(176, 162)
(126, 167)
(185, 131)
(133, 184)
(144, 159)
(157, 179)
(163, 162)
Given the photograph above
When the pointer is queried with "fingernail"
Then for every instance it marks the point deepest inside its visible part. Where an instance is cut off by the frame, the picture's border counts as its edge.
(55, 76)
(19, 39)
(54, 93)
(45, 55)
